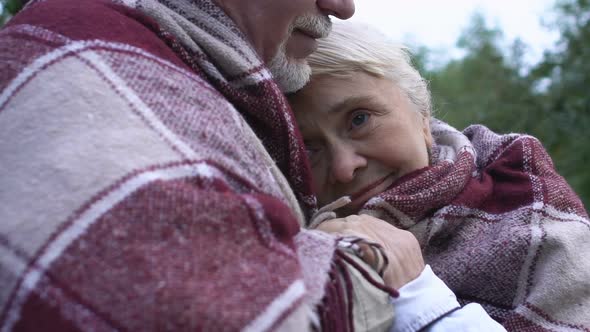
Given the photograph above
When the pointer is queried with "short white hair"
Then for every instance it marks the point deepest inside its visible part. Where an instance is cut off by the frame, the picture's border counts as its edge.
(353, 47)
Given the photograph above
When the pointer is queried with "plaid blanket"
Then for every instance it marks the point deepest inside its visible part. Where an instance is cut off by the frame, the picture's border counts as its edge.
(499, 226)
(143, 146)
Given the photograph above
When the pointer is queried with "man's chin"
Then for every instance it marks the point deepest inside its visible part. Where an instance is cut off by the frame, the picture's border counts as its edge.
(290, 74)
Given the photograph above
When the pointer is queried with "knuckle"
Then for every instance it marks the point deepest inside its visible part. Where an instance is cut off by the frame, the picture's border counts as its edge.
(329, 226)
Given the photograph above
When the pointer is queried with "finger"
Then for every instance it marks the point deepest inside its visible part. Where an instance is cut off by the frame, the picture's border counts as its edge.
(361, 246)
(368, 254)
(366, 218)
(353, 232)
(332, 226)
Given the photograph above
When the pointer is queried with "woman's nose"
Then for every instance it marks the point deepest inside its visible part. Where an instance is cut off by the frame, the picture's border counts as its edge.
(345, 163)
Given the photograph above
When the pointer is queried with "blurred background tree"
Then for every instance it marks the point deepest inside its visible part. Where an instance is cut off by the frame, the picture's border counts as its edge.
(493, 86)
(9, 8)
(551, 101)
(565, 129)
(485, 86)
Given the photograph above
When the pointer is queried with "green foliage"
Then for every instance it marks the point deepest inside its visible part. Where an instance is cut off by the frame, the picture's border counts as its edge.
(551, 102)
(485, 86)
(9, 8)
(567, 101)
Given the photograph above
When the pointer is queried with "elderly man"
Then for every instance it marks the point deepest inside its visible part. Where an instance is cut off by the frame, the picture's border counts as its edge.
(152, 175)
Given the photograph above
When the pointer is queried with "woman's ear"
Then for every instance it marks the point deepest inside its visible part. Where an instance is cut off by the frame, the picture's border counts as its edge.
(426, 131)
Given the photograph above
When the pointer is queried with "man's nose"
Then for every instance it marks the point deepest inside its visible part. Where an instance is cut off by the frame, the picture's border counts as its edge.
(342, 9)
(345, 163)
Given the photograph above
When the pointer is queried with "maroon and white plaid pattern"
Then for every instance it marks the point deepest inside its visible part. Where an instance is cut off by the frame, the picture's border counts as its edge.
(499, 226)
(139, 186)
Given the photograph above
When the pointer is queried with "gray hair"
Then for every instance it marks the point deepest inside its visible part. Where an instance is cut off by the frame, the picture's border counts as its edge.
(353, 47)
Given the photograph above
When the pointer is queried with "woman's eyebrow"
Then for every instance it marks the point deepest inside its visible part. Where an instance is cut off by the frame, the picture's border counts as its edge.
(350, 102)
(369, 102)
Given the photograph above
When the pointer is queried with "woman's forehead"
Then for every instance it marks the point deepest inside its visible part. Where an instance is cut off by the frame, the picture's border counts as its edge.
(327, 94)
(326, 89)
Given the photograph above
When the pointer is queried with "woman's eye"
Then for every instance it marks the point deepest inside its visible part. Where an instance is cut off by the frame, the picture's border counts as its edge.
(311, 152)
(359, 119)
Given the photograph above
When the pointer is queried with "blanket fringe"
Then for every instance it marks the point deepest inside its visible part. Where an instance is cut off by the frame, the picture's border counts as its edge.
(336, 309)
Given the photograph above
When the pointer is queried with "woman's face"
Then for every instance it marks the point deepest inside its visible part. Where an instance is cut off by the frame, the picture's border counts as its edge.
(361, 133)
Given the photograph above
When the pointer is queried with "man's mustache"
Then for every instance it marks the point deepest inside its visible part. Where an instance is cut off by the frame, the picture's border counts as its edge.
(317, 26)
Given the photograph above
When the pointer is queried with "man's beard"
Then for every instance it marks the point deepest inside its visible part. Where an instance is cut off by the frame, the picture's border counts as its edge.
(292, 74)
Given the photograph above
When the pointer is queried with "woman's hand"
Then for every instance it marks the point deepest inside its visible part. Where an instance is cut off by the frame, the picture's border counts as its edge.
(400, 247)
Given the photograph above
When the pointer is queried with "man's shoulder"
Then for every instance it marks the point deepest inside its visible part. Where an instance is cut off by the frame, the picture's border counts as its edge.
(87, 20)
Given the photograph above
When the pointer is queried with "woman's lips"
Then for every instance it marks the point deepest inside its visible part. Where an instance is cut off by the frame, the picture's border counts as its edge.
(360, 197)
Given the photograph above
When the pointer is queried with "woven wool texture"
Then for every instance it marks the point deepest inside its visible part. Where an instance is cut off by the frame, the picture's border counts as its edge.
(499, 226)
(141, 182)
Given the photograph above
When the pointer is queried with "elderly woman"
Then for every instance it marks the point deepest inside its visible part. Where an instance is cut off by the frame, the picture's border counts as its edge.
(493, 218)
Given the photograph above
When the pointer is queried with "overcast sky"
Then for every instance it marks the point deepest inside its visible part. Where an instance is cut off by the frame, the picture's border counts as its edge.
(437, 24)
